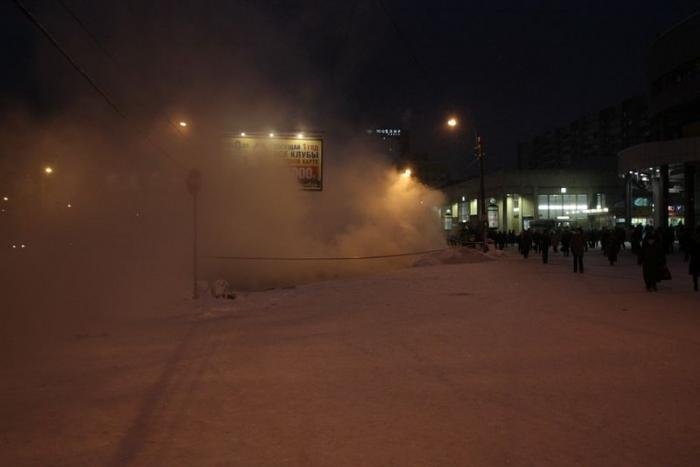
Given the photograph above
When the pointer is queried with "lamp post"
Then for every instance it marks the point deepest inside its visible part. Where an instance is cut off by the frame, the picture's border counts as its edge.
(479, 153)
(194, 185)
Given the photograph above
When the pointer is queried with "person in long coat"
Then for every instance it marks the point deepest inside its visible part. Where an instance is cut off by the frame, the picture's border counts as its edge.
(525, 243)
(545, 243)
(612, 247)
(653, 259)
(694, 257)
(578, 245)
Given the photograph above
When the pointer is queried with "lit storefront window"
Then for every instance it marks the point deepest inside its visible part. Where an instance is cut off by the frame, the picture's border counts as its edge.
(447, 219)
(473, 207)
(562, 205)
(463, 211)
(600, 201)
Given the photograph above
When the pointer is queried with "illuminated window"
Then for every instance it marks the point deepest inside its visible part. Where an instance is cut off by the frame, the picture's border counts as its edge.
(463, 211)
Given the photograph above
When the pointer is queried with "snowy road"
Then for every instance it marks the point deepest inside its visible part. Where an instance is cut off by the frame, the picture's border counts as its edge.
(505, 362)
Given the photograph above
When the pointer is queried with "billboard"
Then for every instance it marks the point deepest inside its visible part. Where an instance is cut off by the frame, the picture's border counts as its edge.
(302, 154)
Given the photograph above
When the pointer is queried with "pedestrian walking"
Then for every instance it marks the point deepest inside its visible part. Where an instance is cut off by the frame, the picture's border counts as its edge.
(636, 240)
(652, 259)
(525, 243)
(578, 243)
(545, 243)
(693, 246)
(566, 241)
(612, 247)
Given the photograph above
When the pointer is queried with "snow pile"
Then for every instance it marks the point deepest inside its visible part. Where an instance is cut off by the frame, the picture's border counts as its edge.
(453, 256)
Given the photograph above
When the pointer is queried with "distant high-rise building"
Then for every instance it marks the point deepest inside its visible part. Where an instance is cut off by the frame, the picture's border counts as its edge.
(392, 142)
(590, 141)
(395, 144)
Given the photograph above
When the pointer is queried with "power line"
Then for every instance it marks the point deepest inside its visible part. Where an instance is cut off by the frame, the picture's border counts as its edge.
(84, 28)
(324, 258)
(104, 50)
(92, 82)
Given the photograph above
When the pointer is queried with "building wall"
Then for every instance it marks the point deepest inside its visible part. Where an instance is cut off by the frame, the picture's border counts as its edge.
(526, 186)
(590, 141)
(674, 71)
(674, 109)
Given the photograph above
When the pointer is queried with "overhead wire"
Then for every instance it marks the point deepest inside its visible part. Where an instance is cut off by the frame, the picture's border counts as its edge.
(110, 102)
(105, 51)
(75, 17)
(324, 258)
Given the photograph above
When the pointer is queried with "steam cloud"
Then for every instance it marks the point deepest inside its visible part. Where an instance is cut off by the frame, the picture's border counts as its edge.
(109, 234)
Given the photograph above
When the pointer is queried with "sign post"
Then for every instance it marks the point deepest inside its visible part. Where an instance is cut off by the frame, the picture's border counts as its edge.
(194, 185)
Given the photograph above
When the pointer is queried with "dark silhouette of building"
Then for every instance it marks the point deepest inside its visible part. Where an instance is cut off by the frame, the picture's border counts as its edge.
(590, 141)
(664, 169)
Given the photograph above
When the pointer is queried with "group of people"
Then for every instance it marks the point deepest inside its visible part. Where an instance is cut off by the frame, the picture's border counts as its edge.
(648, 244)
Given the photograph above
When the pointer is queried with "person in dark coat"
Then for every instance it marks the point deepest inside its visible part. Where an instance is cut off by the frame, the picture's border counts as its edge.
(612, 247)
(545, 243)
(636, 240)
(693, 246)
(578, 243)
(621, 236)
(604, 240)
(566, 241)
(525, 243)
(653, 259)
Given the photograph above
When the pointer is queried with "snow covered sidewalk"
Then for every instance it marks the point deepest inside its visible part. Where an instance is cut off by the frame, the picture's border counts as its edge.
(492, 363)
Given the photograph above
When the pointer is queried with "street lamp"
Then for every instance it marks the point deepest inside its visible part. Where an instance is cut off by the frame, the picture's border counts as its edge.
(479, 153)
(48, 170)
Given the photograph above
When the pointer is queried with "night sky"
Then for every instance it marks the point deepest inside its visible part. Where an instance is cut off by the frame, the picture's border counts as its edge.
(514, 70)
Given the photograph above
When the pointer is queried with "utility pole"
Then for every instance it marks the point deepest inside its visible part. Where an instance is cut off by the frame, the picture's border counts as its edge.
(479, 153)
(194, 184)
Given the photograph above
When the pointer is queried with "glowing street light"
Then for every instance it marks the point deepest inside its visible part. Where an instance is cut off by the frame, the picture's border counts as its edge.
(183, 124)
(479, 153)
(300, 135)
(242, 133)
(5, 198)
(272, 135)
(406, 173)
(48, 170)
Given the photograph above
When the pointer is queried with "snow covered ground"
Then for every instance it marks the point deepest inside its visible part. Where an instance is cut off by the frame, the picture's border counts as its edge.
(487, 363)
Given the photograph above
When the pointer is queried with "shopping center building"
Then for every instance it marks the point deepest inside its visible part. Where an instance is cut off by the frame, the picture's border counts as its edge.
(664, 170)
(514, 199)
(632, 163)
